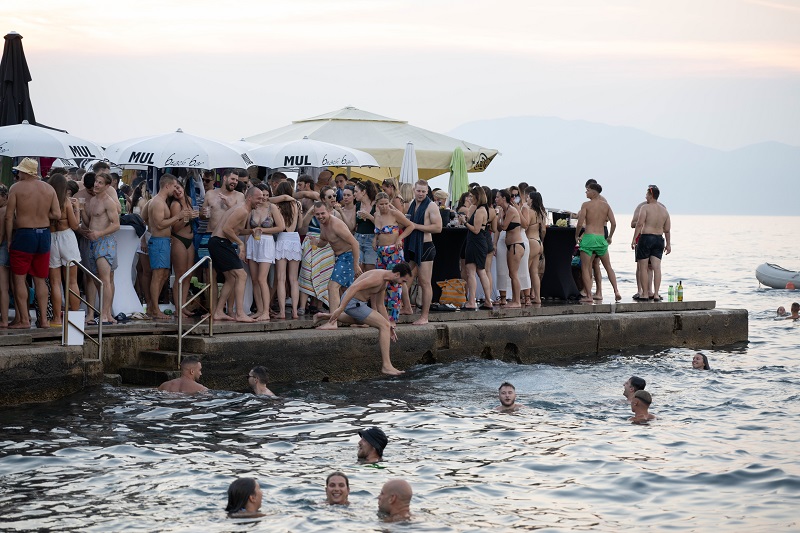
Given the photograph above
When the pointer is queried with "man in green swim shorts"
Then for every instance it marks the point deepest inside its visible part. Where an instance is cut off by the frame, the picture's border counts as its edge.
(593, 216)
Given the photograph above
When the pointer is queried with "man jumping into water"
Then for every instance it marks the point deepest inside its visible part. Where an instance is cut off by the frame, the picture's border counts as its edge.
(370, 286)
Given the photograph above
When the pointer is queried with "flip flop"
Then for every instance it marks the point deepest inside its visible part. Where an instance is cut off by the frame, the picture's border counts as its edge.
(465, 308)
(486, 308)
(657, 298)
(640, 298)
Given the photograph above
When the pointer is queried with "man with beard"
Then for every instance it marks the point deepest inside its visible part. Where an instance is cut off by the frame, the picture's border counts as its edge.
(159, 245)
(508, 398)
(371, 446)
(394, 501)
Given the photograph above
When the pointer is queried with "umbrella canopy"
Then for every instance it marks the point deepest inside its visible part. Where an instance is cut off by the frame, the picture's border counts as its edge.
(28, 140)
(385, 139)
(15, 100)
(176, 149)
(459, 182)
(408, 171)
(309, 153)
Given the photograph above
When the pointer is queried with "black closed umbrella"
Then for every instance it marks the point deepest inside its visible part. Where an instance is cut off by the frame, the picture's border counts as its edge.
(15, 99)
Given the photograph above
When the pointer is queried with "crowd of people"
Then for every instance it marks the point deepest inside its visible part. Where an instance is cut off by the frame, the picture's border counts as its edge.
(305, 242)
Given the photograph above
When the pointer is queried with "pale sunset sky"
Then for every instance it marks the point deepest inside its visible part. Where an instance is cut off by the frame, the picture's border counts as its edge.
(722, 73)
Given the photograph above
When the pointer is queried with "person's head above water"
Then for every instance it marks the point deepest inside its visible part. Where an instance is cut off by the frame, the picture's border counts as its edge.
(337, 488)
(782, 311)
(700, 362)
(244, 498)
(371, 446)
(634, 383)
(394, 501)
(795, 310)
(507, 394)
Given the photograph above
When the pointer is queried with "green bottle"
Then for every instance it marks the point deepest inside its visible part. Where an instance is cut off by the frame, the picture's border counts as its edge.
(679, 290)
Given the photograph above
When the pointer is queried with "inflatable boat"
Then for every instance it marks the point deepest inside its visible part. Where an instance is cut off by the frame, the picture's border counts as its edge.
(777, 277)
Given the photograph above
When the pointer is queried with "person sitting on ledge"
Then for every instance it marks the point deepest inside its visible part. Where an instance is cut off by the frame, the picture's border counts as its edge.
(639, 405)
(257, 380)
(191, 370)
(371, 446)
(244, 499)
(700, 362)
(508, 398)
(634, 383)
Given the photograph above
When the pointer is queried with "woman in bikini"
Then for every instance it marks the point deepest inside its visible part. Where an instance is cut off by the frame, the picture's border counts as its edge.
(182, 244)
(391, 188)
(514, 240)
(264, 222)
(476, 247)
(63, 249)
(535, 233)
(491, 230)
(365, 223)
(388, 242)
(287, 251)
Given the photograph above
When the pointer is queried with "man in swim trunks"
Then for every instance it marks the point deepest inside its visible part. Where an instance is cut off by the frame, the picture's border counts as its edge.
(593, 216)
(508, 398)
(227, 252)
(370, 286)
(158, 248)
(101, 216)
(652, 230)
(336, 233)
(419, 248)
(191, 370)
(32, 203)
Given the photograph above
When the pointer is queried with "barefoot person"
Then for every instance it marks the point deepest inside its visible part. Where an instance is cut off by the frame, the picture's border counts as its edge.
(420, 251)
(227, 253)
(345, 247)
(652, 232)
(370, 286)
(191, 370)
(101, 216)
(32, 204)
(593, 216)
(182, 243)
(160, 221)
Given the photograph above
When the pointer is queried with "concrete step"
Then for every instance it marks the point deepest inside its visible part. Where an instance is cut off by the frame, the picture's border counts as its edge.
(16, 339)
(146, 377)
(163, 359)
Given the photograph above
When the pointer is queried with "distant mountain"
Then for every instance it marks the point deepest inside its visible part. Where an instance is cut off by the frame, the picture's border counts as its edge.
(557, 156)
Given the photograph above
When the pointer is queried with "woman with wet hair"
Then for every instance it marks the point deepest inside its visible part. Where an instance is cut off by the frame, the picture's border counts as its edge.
(244, 499)
(700, 362)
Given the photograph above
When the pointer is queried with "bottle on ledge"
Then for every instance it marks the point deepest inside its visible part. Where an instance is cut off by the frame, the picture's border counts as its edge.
(671, 294)
(123, 203)
(679, 291)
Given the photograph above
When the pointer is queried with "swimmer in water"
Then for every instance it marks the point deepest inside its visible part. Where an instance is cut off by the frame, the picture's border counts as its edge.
(629, 388)
(508, 398)
(257, 380)
(795, 311)
(371, 446)
(337, 489)
(700, 362)
(640, 403)
(244, 499)
(191, 370)
(394, 501)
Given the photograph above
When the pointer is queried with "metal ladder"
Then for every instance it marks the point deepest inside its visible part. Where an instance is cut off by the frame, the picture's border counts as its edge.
(181, 306)
(66, 322)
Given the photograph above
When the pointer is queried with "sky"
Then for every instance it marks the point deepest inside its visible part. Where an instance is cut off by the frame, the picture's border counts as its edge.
(721, 73)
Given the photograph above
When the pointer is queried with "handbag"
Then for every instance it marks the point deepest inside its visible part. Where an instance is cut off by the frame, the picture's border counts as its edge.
(454, 291)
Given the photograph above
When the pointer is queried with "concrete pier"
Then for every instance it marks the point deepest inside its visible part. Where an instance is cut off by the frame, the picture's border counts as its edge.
(145, 354)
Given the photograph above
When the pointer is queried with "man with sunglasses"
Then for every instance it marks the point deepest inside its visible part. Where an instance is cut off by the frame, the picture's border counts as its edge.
(652, 226)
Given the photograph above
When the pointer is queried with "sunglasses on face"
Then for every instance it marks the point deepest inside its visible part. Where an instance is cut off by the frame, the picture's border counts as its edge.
(329, 197)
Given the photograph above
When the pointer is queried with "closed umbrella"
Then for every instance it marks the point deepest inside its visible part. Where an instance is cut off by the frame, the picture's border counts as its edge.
(25, 139)
(15, 100)
(459, 182)
(408, 170)
(177, 149)
(309, 153)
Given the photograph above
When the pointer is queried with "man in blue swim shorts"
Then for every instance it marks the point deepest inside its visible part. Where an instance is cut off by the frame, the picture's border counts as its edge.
(593, 217)
(336, 233)
(102, 218)
(158, 248)
(370, 287)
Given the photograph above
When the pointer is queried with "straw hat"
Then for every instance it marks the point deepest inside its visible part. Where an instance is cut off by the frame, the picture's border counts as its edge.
(28, 166)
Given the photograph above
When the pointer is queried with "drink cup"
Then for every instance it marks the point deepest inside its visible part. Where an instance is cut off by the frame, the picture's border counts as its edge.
(257, 234)
(81, 203)
(186, 217)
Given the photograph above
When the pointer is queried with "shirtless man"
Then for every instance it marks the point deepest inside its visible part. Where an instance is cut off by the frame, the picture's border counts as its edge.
(336, 233)
(394, 501)
(593, 216)
(323, 180)
(101, 217)
(32, 204)
(191, 370)
(228, 260)
(419, 248)
(257, 380)
(640, 403)
(370, 286)
(631, 386)
(508, 398)
(348, 208)
(158, 248)
(652, 229)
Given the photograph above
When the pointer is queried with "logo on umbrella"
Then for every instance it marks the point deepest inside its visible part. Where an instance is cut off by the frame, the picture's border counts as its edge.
(3, 148)
(193, 161)
(296, 161)
(81, 151)
(143, 158)
(342, 161)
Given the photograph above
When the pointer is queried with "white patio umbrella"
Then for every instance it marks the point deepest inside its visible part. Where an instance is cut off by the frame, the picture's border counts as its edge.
(385, 139)
(408, 170)
(176, 149)
(25, 139)
(243, 145)
(309, 153)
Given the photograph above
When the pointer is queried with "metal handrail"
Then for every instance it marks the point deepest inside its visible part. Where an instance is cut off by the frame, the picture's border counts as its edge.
(66, 322)
(182, 305)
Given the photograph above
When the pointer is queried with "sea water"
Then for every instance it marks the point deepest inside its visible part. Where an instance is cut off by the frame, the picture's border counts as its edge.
(722, 454)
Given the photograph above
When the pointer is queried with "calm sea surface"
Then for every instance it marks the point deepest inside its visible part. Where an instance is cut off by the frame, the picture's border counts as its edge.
(723, 454)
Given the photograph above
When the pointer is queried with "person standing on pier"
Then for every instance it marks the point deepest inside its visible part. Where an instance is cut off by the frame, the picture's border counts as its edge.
(593, 216)
(652, 232)
(101, 216)
(345, 247)
(159, 245)
(31, 204)
(419, 249)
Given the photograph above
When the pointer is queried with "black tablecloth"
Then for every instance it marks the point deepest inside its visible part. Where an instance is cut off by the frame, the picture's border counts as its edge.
(559, 243)
(446, 265)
